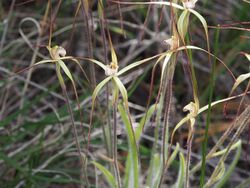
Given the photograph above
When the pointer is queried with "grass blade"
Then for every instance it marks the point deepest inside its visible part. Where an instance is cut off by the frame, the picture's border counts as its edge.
(110, 178)
(143, 121)
(132, 163)
(182, 169)
(154, 175)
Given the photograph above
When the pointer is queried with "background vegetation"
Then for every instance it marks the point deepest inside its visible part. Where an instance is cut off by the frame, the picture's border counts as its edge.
(130, 69)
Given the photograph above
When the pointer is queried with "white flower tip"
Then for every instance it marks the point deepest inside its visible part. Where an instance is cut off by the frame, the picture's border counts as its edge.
(190, 4)
(169, 41)
(173, 42)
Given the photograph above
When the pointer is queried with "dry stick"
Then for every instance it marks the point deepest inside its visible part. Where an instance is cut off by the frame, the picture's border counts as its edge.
(74, 23)
(121, 18)
(141, 33)
(56, 11)
(161, 16)
(242, 120)
(230, 27)
(89, 39)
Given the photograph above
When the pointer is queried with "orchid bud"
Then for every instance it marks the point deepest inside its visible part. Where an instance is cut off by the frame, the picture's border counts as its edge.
(111, 70)
(192, 108)
(173, 42)
(57, 51)
(61, 51)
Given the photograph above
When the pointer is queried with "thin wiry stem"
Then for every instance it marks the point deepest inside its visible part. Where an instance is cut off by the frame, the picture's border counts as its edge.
(103, 24)
(189, 151)
(82, 159)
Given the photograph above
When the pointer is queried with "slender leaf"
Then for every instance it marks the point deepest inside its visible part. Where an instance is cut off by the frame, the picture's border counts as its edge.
(164, 66)
(66, 70)
(204, 23)
(238, 81)
(136, 64)
(122, 90)
(183, 22)
(173, 155)
(113, 54)
(96, 62)
(155, 3)
(99, 87)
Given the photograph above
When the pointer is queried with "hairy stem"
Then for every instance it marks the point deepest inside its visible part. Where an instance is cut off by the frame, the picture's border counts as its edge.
(81, 158)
